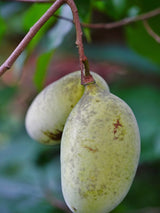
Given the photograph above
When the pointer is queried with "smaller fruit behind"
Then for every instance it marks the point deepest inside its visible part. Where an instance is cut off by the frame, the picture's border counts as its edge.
(46, 117)
(100, 151)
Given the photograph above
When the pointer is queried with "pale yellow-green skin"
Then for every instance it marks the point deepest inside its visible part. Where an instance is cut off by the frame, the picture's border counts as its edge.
(46, 117)
(100, 151)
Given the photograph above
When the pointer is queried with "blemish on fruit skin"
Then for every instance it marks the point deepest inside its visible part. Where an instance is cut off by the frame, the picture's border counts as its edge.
(116, 125)
(91, 149)
(74, 209)
(118, 130)
(92, 190)
(53, 136)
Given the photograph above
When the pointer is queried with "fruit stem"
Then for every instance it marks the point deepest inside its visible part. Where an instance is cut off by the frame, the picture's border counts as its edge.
(86, 77)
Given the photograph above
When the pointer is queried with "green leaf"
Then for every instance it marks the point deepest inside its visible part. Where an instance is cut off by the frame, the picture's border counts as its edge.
(50, 42)
(147, 5)
(2, 28)
(33, 14)
(114, 8)
(118, 7)
(140, 41)
(87, 19)
(41, 69)
(87, 33)
(83, 8)
(31, 17)
(99, 5)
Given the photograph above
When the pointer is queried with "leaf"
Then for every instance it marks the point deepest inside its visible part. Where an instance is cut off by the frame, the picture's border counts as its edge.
(2, 28)
(41, 69)
(87, 19)
(50, 42)
(31, 17)
(58, 32)
(87, 33)
(83, 8)
(116, 9)
(33, 14)
(99, 5)
(147, 5)
(140, 41)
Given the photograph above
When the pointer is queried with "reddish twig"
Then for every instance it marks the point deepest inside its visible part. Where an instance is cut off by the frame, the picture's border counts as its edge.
(64, 18)
(125, 21)
(151, 32)
(85, 78)
(119, 23)
(111, 25)
(32, 32)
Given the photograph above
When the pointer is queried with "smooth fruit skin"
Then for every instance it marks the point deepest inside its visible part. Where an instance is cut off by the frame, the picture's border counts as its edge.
(100, 151)
(46, 117)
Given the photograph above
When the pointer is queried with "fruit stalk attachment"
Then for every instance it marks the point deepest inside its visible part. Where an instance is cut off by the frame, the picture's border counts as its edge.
(86, 77)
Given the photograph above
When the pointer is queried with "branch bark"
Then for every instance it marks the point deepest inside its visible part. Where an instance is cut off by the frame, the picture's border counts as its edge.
(32, 32)
(151, 32)
(124, 21)
(119, 23)
(85, 77)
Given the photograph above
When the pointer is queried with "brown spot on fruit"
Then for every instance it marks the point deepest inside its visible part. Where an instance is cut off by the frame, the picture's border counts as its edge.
(116, 125)
(74, 209)
(91, 149)
(118, 130)
(53, 136)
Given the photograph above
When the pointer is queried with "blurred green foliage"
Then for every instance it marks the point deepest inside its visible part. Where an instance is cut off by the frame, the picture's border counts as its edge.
(29, 169)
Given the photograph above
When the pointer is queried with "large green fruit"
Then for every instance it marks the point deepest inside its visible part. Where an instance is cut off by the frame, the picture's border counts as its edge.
(48, 112)
(100, 151)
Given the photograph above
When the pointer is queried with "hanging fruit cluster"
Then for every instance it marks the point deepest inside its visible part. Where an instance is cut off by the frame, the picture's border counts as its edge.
(100, 141)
